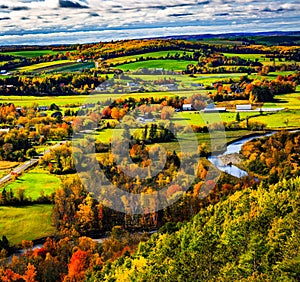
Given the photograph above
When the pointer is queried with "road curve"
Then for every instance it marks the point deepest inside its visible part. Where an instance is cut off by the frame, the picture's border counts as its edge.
(21, 168)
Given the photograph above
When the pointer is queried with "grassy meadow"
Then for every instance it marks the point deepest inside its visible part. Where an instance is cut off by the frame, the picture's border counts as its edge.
(155, 64)
(32, 54)
(159, 54)
(46, 65)
(34, 182)
(26, 223)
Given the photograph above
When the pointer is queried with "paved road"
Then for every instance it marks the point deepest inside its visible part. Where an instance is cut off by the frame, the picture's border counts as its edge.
(21, 168)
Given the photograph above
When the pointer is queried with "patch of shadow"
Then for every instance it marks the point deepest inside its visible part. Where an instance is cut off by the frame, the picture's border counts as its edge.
(5, 19)
(24, 18)
(3, 7)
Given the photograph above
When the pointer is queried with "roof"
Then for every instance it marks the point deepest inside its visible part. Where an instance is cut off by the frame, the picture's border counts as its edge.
(244, 107)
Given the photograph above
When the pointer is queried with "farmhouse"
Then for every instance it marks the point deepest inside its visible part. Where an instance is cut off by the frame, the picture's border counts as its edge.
(145, 119)
(243, 108)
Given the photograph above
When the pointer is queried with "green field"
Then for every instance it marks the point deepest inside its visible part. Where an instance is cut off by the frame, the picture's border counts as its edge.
(32, 54)
(157, 64)
(26, 223)
(159, 54)
(290, 101)
(33, 182)
(92, 98)
(73, 67)
(200, 119)
(46, 65)
(283, 119)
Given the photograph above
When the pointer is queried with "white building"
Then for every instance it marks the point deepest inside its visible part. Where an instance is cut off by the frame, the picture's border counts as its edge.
(243, 108)
(187, 107)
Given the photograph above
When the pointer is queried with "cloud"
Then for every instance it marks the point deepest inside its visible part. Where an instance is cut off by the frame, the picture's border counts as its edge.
(103, 18)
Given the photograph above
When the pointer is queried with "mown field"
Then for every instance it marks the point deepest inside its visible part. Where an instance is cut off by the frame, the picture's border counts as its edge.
(6, 166)
(92, 98)
(34, 182)
(175, 65)
(121, 60)
(32, 54)
(26, 223)
(45, 66)
(72, 67)
(284, 119)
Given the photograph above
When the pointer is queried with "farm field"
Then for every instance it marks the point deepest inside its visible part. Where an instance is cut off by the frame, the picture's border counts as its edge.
(34, 182)
(45, 66)
(283, 119)
(32, 54)
(158, 54)
(72, 67)
(26, 223)
(290, 101)
(6, 166)
(152, 64)
(92, 98)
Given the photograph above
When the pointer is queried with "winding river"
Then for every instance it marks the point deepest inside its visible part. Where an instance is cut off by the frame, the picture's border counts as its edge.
(233, 148)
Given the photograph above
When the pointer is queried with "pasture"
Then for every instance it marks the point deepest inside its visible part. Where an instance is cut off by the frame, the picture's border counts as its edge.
(92, 98)
(159, 54)
(26, 223)
(34, 182)
(6, 166)
(283, 119)
(45, 66)
(32, 53)
(157, 64)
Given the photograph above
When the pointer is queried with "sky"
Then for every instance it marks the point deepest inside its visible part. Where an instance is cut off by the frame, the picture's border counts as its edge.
(81, 21)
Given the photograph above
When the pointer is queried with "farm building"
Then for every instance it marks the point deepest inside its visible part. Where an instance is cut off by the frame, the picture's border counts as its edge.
(187, 107)
(6, 130)
(214, 110)
(241, 108)
(145, 119)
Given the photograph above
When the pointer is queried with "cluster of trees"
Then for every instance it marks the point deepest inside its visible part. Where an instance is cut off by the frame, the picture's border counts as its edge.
(59, 160)
(51, 84)
(177, 56)
(217, 63)
(106, 50)
(276, 156)
(19, 198)
(255, 90)
(69, 258)
(24, 128)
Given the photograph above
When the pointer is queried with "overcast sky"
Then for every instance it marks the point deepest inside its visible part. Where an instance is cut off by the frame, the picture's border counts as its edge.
(79, 21)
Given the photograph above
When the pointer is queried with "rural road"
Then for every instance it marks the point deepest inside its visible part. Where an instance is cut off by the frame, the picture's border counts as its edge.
(21, 168)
